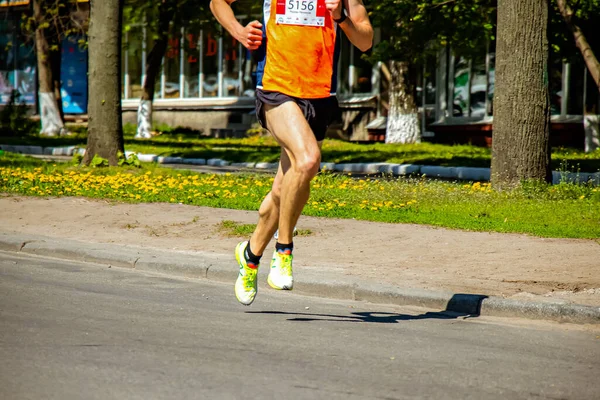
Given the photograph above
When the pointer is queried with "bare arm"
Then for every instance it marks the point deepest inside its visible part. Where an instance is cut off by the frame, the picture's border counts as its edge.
(250, 36)
(357, 26)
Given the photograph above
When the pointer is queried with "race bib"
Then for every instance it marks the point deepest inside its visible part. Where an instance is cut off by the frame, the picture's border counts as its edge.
(301, 12)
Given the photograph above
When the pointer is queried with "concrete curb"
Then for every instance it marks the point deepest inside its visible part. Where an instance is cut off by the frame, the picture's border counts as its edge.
(458, 173)
(221, 268)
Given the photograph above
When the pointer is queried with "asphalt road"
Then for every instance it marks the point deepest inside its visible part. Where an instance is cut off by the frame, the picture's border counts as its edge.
(81, 331)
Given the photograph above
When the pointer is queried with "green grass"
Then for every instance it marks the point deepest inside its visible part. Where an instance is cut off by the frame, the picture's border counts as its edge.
(235, 229)
(564, 210)
(190, 144)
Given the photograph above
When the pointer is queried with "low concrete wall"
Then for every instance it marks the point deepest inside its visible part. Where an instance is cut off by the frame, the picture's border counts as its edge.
(223, 117)
(208, 122)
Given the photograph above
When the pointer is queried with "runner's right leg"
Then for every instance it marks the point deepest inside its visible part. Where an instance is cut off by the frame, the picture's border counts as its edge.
(288, 125)
(246, 285)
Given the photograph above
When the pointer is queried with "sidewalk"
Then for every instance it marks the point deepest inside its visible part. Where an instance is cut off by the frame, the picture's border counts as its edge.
(393, 263)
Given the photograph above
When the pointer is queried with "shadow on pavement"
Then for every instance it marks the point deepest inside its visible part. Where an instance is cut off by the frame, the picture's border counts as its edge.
(373, 317)
(459, 306)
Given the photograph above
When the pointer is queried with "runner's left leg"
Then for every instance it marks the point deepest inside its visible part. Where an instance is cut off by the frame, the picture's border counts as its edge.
(268, 213)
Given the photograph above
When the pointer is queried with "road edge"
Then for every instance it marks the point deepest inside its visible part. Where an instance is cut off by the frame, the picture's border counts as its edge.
(221, 268)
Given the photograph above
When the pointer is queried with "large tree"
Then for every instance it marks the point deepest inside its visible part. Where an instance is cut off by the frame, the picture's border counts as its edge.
(105, 128)
(521, 149)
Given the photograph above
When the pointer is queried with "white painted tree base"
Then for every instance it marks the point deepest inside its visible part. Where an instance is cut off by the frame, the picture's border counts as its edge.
(403, 128)
(52, 124)
(591, 126)
(144, 120)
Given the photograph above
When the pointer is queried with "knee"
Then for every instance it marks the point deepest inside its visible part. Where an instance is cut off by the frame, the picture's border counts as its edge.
(309, 164)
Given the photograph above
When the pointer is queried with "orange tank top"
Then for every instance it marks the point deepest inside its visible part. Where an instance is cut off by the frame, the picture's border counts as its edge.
(300, 49)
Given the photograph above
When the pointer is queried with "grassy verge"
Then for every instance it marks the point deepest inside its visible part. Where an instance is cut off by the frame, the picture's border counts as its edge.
(185, 143)
(565, 210)
(235, 229)
(232, 228)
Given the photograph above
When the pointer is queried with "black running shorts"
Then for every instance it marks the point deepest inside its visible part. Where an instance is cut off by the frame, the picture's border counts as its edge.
(319, 113)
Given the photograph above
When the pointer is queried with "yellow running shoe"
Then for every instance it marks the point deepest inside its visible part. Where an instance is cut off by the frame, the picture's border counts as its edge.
(280, 275)
(245, 285)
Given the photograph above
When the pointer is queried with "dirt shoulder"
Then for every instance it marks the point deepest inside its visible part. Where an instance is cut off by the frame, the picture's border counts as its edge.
(411, 256)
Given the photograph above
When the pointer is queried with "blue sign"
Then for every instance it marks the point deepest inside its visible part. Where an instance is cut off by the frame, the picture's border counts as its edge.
(73, 76)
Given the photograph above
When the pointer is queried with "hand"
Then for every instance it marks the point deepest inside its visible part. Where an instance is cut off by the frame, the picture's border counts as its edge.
(251, 35)
(335, 8)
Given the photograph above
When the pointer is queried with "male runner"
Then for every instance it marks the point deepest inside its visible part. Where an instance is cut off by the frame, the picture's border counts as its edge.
(295, 100)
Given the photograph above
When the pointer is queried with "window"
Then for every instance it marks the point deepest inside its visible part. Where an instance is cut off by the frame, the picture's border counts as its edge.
(134, 51)
(73, 75)
(210, 65)
(233, 59)
(478, 89)
(192, 59)
(461, 87)
(17, 64)
(354, 73)
(363, 71)
(197, 64)
(172, 64)
(555, 86)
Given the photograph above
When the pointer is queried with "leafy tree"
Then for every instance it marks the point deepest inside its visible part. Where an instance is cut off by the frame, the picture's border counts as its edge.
(161, 18)
(574, 27)
(417, 30)
(572, 31)
(51, 22)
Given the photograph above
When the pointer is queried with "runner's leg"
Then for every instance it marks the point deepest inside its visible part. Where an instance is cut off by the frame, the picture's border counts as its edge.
(288, 125)
(268, 213)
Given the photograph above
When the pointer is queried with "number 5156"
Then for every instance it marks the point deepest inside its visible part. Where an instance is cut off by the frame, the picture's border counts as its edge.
(301, 5)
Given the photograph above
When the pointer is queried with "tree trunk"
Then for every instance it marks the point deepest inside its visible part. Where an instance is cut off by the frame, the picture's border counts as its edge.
(403, 119)
(50, 109)
(105, 128)
(521, 145)
(580, 40)
(591, 127)
(153, 63)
